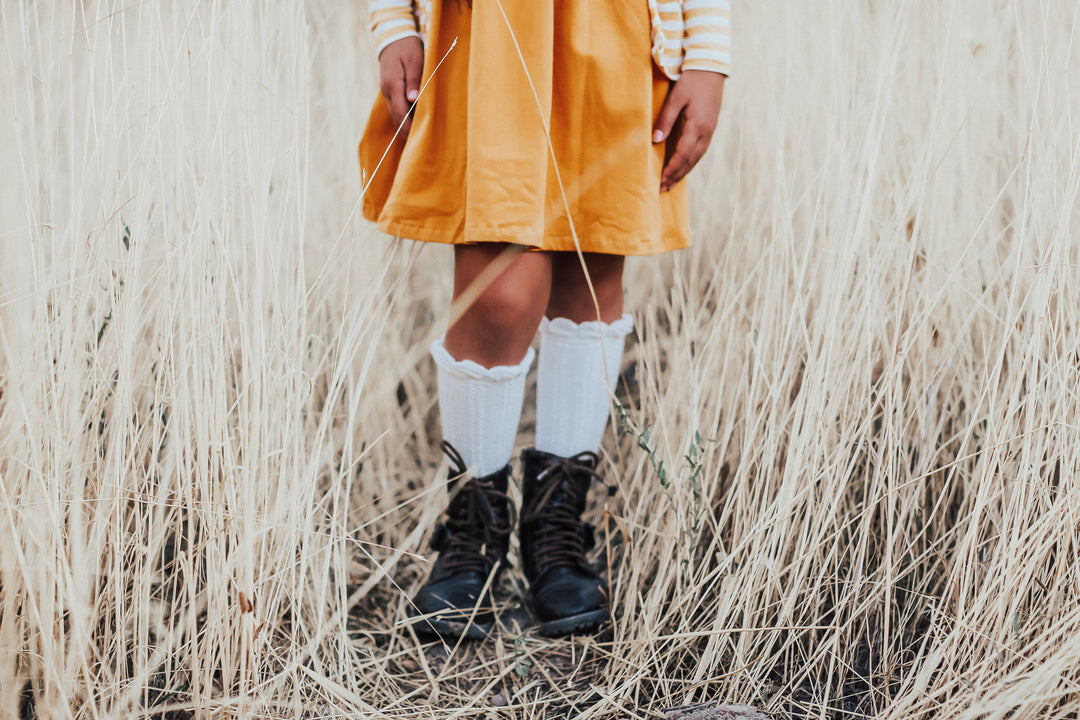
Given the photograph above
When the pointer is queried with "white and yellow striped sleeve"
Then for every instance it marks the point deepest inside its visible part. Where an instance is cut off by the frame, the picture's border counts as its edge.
(707, 35)
(668, 31)
(392, 20)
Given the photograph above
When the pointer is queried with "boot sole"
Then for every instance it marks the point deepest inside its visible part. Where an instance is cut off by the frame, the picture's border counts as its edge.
(575, 623)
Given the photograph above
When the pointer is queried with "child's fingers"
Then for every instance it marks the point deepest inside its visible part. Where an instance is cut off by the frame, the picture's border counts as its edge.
(399, 106)
(393, 89)
(669, 114)
(400, 67)
(687, 122)
(399, 99)
(414, 68)
(676, 168)
(690, 146)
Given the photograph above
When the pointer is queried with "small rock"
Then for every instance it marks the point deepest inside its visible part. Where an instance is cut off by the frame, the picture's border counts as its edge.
(713, 711)
(499, 699)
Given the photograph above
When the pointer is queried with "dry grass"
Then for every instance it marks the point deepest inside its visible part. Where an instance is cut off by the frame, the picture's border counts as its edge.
(217, 426)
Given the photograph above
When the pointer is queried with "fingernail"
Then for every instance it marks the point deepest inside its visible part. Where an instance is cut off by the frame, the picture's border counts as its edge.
(658, 136)
(412, 95)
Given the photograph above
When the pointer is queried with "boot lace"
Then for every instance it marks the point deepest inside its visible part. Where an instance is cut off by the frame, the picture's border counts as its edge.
(476, 534)
(560, 537)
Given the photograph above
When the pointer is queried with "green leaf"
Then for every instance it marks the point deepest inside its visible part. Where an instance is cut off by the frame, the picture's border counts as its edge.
(105, 324)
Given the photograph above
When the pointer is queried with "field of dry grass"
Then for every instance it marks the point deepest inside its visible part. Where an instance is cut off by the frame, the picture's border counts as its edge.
(218, 438)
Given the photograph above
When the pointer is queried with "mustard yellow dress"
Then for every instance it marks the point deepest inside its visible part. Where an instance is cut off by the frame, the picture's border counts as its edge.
(477, 166)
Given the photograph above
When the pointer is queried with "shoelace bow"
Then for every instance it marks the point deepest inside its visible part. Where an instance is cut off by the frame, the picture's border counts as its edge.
(477, 532)
(560, 537)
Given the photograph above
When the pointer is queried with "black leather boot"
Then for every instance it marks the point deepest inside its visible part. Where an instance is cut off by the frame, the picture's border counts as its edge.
(568, 594)
(471, 542)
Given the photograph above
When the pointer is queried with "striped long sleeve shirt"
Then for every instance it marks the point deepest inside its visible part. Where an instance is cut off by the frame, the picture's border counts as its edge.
(686, 34)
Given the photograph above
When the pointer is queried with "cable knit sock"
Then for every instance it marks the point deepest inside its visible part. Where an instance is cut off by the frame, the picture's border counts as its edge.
(576, 369)
(480, 408)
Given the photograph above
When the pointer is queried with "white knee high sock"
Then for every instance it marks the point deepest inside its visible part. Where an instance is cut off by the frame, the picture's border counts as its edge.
(480, 408)
(571, 394)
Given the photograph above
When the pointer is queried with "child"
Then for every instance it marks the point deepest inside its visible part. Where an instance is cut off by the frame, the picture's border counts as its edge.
(472, 166)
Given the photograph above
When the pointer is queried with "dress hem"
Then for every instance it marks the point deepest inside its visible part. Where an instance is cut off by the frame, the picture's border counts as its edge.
(512, 236)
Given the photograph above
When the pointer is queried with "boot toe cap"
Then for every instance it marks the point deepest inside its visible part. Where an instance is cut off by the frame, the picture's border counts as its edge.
(569, 592)
(454, 607)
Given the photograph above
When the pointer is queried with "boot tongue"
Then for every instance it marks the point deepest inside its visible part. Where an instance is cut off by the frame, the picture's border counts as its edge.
(475, 506)
(574, 475)
(570, 490)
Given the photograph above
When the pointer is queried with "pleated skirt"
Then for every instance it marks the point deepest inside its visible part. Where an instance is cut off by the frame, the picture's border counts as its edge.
(534, 130)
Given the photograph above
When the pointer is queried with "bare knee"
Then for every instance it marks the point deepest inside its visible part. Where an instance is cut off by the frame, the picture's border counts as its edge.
(512, 303)
(499, 302)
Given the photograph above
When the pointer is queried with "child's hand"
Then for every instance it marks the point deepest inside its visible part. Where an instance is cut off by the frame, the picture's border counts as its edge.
(687, 121)
(401, 63)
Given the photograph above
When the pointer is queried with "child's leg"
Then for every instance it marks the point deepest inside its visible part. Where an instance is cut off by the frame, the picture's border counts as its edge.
(571, 298)
(485, 355)
(577, 367)
(482, 363)
(579, 360)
